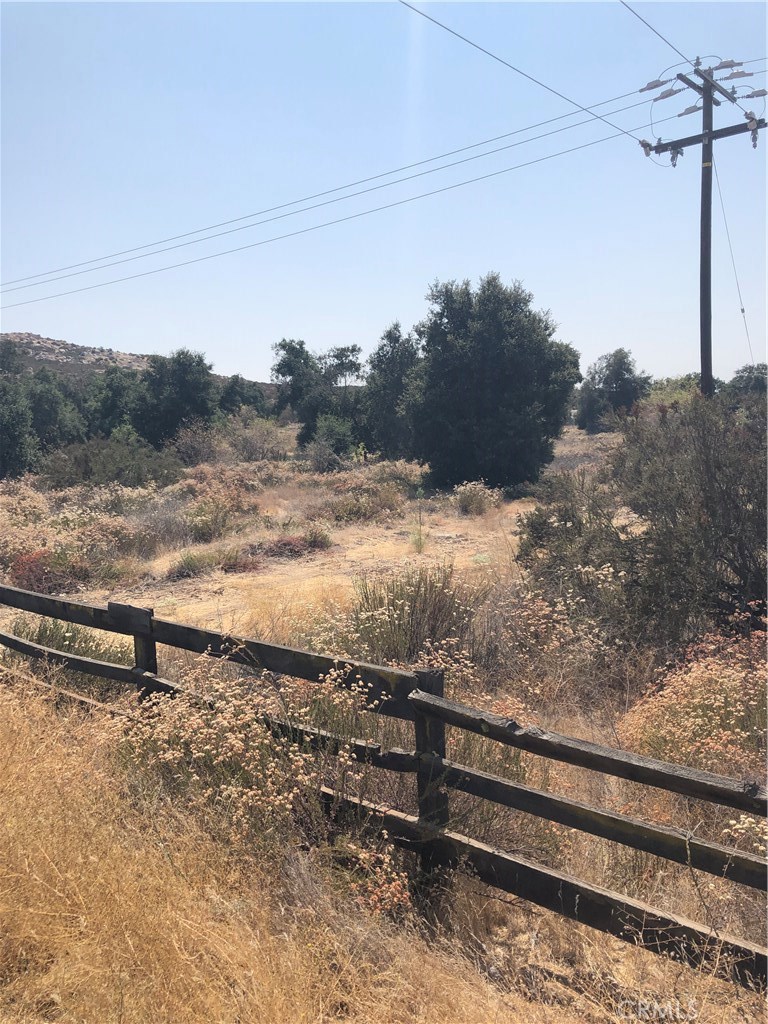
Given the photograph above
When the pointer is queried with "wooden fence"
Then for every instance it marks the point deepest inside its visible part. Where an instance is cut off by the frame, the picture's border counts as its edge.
(418, 697)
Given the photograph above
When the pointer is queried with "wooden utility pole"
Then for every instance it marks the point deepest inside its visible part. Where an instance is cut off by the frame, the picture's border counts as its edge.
(706, 90)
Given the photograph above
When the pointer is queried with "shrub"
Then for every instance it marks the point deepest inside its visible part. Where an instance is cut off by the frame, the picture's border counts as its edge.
(317, 538)
(49, 571)
(122, 458)
(475, 498)
(195, 443)
(321, 457)
(360, 503)
(254, 439)
(680, 517)
(199, 563)
(395, 616)
(212, 514)
(287, 546)
(709, 712)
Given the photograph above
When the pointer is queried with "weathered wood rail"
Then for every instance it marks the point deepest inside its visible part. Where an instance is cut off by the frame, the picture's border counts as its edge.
(417, 696)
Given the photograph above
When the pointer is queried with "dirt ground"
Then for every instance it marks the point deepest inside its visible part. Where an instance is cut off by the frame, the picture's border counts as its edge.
(284, 588)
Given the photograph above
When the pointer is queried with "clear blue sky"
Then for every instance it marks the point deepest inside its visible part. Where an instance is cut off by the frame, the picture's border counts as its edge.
(127, 123)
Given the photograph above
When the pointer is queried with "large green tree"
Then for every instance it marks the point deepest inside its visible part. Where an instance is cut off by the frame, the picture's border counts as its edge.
(491, 393)
(177, 389)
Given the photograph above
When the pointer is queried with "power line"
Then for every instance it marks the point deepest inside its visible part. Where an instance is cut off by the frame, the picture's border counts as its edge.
(655, 32)
(316, 195)
(325, 224)
(517, 70)
(315, 206)
(733, 262)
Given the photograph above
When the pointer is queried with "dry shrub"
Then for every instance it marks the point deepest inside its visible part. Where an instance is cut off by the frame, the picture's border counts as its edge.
(49, 571)
(355, 501)
(394, 616)
(709, 712)
(254, 439)
(475, 498)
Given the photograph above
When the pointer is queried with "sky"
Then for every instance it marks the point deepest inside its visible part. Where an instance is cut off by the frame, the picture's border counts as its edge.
(123, 124)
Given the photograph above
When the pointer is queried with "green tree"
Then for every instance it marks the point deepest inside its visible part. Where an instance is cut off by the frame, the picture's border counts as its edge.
(110, 399)
(749, 380)
(237, 392)
(18, 442)
(612, 384)
(175, 390)
(304, 386)
(55, 418)
(491, 393)
(11, 357)
(390, 367)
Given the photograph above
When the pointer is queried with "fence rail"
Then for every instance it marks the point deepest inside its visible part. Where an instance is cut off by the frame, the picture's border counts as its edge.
(417, 696)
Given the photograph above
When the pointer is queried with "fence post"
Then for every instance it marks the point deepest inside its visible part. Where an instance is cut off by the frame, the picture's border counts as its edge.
(430, 740)
(139, 622)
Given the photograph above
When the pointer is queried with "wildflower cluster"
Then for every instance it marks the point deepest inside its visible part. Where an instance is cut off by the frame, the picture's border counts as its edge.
(709, 712)
(229, 746)
(748, 832)
(377, 886)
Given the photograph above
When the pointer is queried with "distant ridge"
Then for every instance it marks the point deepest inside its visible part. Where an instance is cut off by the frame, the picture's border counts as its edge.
(79, 360)
(68, 358)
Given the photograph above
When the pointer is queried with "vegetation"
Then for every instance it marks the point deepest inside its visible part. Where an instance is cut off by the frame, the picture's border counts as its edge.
(622, 602)
(89, 421)
(612, 385)
(673, 536)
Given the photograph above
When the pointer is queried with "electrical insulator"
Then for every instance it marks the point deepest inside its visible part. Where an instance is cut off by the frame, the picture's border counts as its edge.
(755, 94)
(667, 94)
(647, 147)
(737, 74)
(656, 84)
(674, 154)
(727, 64)
(689, 110)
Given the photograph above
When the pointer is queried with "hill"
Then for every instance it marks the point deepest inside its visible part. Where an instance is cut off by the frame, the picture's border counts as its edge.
(66, 357)
(78, 360)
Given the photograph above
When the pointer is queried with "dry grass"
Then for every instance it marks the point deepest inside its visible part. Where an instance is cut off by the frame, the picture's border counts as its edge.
(116, 907)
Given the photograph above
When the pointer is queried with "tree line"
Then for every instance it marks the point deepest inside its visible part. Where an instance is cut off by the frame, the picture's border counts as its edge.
(478, 389)
(121, 412)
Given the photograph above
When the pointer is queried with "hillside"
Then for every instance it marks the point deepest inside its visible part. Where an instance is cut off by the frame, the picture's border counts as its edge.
(66, 357)
(77, 360)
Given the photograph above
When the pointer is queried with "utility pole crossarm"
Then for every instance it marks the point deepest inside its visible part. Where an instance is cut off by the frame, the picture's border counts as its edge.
(721, 133)
(696, 88)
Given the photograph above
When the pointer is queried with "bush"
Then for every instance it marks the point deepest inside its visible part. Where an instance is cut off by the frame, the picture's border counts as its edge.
(395, 617)
(360, 503)
(680, 518)
(708, 712)
(475, 498)
(254, 439)
(49, 571)
(321, 457)
(199, 563)
(195, 443)
(212, 514)
(317, 538)
(122, 458)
